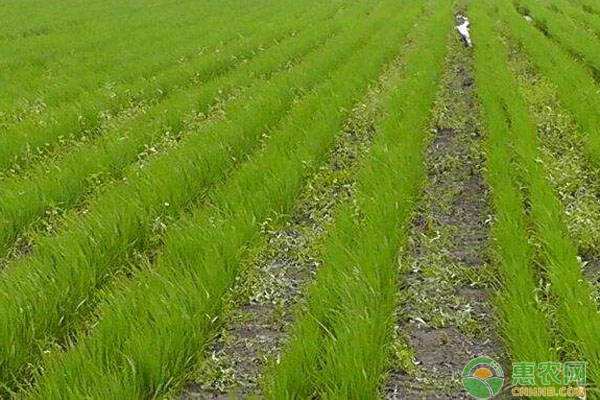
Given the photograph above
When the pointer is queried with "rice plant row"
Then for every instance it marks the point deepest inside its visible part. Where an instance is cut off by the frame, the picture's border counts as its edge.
(571, 295)
(202, 252)
(122, 219)
(339, 347)
(146, 147)
(81, 118)
(62, 180)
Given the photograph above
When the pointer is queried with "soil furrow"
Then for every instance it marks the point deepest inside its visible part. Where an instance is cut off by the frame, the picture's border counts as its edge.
(445, 317)
(264, 301)
(571, 173)
(576, 53)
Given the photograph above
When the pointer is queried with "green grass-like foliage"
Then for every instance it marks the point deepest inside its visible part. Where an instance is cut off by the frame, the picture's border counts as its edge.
(62, 181)
(45, 295)
(152, 329)
(73, 106)
(146, 144)
(338, 349)
(526, 329)
(575, 83)
(578, 320)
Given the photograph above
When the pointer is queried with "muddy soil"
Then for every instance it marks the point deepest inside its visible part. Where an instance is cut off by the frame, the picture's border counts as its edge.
(572, 174)
(446, 280)
(272, 284)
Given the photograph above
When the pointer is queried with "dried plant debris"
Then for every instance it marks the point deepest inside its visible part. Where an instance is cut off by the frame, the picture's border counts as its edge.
(264, 301)
(572, 175)
(446, 275)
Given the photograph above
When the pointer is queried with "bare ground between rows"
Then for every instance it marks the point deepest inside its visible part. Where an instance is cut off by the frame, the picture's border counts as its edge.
(541, 25)
(264, 300)
(571, 173)
(445, 317)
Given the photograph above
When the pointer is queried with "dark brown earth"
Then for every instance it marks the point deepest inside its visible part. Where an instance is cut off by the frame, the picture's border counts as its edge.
(563, 153)
(272, 285)
(257, 328)
(446, 279)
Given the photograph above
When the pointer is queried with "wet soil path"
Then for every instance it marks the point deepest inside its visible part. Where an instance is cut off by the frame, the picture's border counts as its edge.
(445, 315)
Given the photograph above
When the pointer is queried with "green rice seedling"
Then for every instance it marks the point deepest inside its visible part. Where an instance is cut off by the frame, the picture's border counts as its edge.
(82, 118)
(589, 6)
(525, 328)
(564, 31)
(43, 71)
(127, 35)
(182, 294)
(181, 45)
(62, 181)
(575, 86)
(577, 313)
(339, 346)
(44, 296)
(51, 50)
(127, 19)
(31, 19)
(577, 14)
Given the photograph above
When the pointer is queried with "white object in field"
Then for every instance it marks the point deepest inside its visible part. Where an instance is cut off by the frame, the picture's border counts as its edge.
(463, 28)
(528, 18)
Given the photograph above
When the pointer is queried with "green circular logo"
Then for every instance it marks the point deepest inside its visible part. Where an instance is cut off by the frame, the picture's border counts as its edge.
(483, 378)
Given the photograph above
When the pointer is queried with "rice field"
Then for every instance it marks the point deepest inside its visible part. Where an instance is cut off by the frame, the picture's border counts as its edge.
(300, 199)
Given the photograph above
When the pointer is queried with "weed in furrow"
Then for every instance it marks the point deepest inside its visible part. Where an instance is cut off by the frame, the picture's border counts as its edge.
(574, 179)
(61, 182)
(444, 315)
(339, 346)
(264, 298)
(49, 292)
(202, 256)
(30, 140)
(576, 312)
